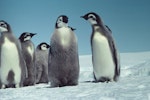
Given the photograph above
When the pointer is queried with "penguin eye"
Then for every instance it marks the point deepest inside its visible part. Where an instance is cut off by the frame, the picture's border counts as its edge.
(60, 19)
(26, 35)
(44, 46)
(92, 17)
(2, 24)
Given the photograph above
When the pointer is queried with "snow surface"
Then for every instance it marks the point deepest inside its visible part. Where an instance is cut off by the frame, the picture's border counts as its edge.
(134, 83)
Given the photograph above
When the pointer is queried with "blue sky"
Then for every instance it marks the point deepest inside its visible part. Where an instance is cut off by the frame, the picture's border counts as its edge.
(129, 20)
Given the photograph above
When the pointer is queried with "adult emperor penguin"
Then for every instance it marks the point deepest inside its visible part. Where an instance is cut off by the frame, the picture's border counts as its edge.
(63, 65)
(12, 65)
(28, 51)
(41, 62)
(105, 57)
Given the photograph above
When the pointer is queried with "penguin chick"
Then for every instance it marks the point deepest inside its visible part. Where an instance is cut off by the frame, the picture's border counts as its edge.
(41, 63)
(63, 63)
(12, 65)
(28, 51)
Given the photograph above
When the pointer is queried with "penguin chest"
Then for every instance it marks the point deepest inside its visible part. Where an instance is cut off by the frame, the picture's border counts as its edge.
(9, 60)
(102, 58)
(64, 37)
(30, 50)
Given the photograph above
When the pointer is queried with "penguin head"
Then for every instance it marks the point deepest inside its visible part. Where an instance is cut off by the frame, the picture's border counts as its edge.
(62, 21)
(26, 36)
(93, 18)
(4, 26)
(43, 46)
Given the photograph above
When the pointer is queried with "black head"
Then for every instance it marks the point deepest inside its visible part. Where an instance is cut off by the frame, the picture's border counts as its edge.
(62, 21)
(26, 36)
(43, 46)
(4, 26)
(93, 18)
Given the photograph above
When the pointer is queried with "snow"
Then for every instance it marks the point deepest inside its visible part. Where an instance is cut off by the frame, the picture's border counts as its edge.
(134, 83)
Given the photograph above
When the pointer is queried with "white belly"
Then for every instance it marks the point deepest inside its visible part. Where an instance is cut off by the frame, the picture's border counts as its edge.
(103, 64)
(65, 36)
(31, 50)
(9, 61)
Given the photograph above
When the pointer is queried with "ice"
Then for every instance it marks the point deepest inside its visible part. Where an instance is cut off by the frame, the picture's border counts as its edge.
(134, 83)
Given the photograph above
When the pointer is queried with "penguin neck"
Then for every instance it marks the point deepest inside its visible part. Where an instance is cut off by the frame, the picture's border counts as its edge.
(7, 34)
(97, 27)
(25, 41)
(8, 31)
(60, 25)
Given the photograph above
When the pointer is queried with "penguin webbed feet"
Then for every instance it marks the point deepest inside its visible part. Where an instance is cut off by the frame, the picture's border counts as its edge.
(102, 79)
(10, 86)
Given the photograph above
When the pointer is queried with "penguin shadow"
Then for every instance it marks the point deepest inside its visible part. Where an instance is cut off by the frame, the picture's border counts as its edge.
(51, 87)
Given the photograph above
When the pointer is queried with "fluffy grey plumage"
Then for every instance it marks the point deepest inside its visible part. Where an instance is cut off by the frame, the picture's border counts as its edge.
(63, 65)
(28, 51)
(41, 63)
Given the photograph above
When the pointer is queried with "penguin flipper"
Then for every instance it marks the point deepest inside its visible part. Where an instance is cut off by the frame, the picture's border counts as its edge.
(115, 56)
(38, 74)
(108, 29)
(72, 28)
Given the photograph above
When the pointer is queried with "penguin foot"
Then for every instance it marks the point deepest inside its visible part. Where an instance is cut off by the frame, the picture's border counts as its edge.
(104, 79)
(17, 86)
(3, 86)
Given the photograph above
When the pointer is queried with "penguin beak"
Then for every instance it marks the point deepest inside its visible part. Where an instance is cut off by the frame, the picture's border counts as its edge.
(84, 17)
(81, 16)
(48, 46)
(32, 34)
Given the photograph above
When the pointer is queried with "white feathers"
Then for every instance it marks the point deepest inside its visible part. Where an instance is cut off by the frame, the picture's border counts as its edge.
(60, 19)
(3, 29)
(44, 47)
(91, 16)
(27, 38)
(92, 19)
(102, 58)
(30, 50)
(9, 61)
(60, 23)
(64, 34)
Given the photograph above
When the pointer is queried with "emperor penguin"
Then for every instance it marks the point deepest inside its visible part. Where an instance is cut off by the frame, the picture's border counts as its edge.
(28, 51)
(12, 65)
(63, 64)
(105, 56)
(41, 62)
